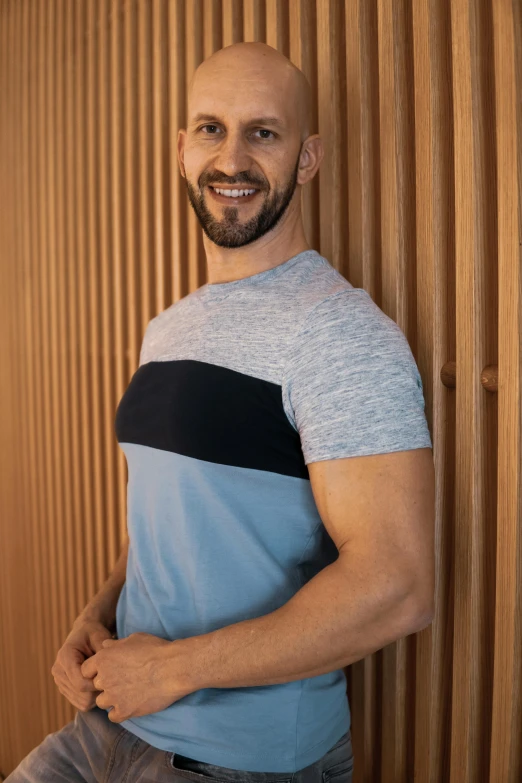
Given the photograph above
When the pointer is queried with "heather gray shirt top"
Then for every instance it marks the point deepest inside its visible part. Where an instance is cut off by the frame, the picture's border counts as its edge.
(240, 386)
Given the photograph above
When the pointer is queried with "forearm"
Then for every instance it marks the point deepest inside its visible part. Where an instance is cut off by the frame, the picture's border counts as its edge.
(102, 607)
(336, 618)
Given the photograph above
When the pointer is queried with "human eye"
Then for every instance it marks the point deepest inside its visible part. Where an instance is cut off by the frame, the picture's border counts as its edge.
(259, 130)
(265, 130)
(209, 126)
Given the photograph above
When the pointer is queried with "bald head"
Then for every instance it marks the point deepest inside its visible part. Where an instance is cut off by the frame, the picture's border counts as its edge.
(254, 71)
(249, 127)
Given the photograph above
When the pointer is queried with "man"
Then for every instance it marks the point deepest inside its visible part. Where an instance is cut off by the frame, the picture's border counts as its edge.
(281, 483)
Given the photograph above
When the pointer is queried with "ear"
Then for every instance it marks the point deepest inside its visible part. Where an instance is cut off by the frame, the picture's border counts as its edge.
(312, 154)
(181, 150)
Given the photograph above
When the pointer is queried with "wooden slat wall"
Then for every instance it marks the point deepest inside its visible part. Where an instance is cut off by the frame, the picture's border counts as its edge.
(418, 200)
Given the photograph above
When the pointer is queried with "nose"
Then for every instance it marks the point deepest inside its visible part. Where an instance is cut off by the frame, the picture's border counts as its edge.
(232, 156)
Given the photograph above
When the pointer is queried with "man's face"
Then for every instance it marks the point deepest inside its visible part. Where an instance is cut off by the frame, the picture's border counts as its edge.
(226, 146)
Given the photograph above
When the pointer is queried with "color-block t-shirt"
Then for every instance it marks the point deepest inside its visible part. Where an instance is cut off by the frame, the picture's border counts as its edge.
(240, 386)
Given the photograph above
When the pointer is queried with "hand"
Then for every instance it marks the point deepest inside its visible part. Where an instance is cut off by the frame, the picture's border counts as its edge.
(84, 640)
(138, 675)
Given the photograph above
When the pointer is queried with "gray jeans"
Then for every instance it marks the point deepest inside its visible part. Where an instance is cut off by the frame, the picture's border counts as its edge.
(91, 749)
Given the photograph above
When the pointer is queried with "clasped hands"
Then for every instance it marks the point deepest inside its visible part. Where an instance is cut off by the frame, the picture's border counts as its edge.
(137, 675)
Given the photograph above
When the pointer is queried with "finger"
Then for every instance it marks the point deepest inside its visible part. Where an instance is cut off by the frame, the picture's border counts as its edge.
(98, 637)
(71, 661)
(108, 642)
(79, 683)
(77, 680)
(103, 701)
(63, 683)
(89, 668)
(61, 678)
(82, 702)
(114, 716)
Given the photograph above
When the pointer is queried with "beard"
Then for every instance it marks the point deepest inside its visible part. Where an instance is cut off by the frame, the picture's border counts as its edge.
(230, 231)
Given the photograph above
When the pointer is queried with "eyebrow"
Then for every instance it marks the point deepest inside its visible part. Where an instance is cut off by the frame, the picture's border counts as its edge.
(255, 121)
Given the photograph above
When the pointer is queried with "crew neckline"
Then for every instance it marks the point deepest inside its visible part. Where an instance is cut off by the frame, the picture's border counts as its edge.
(212, 289)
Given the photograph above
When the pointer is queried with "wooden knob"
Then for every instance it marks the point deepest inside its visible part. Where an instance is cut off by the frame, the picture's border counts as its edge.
(448, 374)
(488, 376)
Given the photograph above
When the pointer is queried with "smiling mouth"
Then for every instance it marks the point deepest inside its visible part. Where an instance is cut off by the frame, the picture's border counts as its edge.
(222, 199)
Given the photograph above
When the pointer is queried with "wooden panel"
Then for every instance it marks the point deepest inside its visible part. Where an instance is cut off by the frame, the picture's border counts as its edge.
(506, 760)
(418, 200)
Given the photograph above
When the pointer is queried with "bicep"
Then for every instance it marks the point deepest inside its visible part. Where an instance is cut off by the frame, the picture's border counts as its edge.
(380, 511)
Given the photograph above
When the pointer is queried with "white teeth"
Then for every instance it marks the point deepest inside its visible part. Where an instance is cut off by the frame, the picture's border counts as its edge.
(234, 193)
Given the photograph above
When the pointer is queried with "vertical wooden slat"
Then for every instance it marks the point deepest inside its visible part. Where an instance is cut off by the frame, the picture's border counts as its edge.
(118, 255)
(418, 198)
(93, 180)
(9, 491)
(277, 32)
(80, 307)
(193, 47)
(106, 266)
(369, 277)
(19, 582)
(232, 21)
(130, 125)
(425, 317)
(354, 100)
(74, 295)
(254, 20)
(146, 259)
(31, 509)
(392, 760)
(360, 65)
(486, 352)
(505, 756)
(303, 52)
(45, 348)
(39, 486)
(332, 107)
(64, 140)
(388, 159)
(159, 300)
(3, 362)
(179, 217)
(443, 411)
(90, 216)
(469, 399)
(59, 366)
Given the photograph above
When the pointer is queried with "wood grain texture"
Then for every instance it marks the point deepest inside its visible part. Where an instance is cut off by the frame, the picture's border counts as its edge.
(418, 200)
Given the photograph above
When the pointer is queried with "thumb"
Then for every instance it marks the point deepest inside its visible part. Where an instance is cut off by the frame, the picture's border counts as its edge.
(108, 642)
(98, 637)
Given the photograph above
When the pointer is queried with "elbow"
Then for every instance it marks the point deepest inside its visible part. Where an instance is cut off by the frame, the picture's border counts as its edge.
(423, 620)
(419, 608)
(422, 615)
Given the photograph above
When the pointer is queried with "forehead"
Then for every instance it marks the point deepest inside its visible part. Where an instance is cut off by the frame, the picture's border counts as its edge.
(221, 95)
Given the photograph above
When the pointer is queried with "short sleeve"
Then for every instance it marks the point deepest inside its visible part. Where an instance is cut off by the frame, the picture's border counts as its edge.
(145, 345)
(351, 385)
